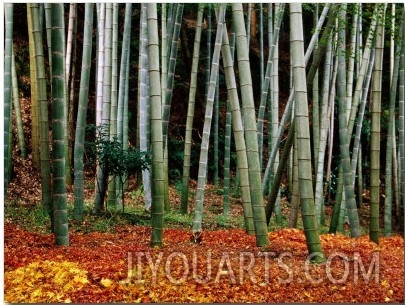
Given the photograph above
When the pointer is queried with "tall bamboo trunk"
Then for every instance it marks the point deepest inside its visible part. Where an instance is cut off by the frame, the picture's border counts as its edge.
(7, 89)
(376, 129)
(78, 182)
(190, 113)
(250, 126)
(203, 162)
(58, 128)
(303, 135)
(156, 127)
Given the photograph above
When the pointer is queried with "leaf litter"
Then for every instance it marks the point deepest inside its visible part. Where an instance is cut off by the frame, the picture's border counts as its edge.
(225, 267)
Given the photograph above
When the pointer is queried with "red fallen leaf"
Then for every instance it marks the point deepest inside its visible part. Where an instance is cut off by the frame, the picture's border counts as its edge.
(105, 256)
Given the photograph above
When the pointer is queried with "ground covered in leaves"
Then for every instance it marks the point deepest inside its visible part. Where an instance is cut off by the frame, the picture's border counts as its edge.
(225, 267)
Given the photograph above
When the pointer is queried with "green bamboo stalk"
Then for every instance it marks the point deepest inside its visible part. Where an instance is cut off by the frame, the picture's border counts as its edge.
(144, 105)
(82, 113)
(208, 50)
(332, 96)
(250, 127)
(267, 78)
(122, 102)
(228, 137)
(270, 33)
(248, 23)
(43, 112)
(336, 216)
(112, 190)
(261, 35)
(167, 98)
(34, 99)
(227, 158)
(238, 131)
(352, 55)
(355, 229)
(170, 24)
(8, 51)
(202, 169)
(303, 140)
(156, 127)
(216, 135)
(66, 117)
(17, 109)
(396, 154)
(271, 203)
(401, 136)
(360, 180)
(325, 115)
(70, 118)
(295, 193)
(165, 50)
(190, 112)
(104, 97)
(69, 45)
(107, 72)
(9, 168)
(390, 145)
(316, 109)
(47, 10)
(376, 128)
(100, 61)
(275, 121)
(360, 117)
(58, 128)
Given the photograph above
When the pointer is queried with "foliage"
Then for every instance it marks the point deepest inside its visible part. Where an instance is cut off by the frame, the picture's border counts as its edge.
(44, 281)
(32, 217)
(110, 155)
(178, 219)
(96, 268)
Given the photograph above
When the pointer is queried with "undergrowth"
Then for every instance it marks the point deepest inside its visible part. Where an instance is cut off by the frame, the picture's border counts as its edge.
(33, 218)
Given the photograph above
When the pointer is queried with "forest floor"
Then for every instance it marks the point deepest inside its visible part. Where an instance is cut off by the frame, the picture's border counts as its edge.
(110, 260)
(225, 267)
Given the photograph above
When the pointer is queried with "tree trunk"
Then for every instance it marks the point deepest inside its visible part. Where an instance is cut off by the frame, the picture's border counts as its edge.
(376, 128)
(58, 128)
(203, 162)
(156, 128)
(238, 132)
(303, 135)
(82, 113)
(348, 187)
(8, 51)
(34, 99)
(250, 127)
(41, 94)
(190, 113)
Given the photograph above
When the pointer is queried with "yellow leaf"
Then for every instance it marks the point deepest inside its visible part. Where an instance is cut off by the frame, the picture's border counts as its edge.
(106, 282)
(39, 282)
(80, 279)
(36, 293)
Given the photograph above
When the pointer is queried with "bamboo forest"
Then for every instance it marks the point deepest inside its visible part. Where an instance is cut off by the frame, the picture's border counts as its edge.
(203, 152)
